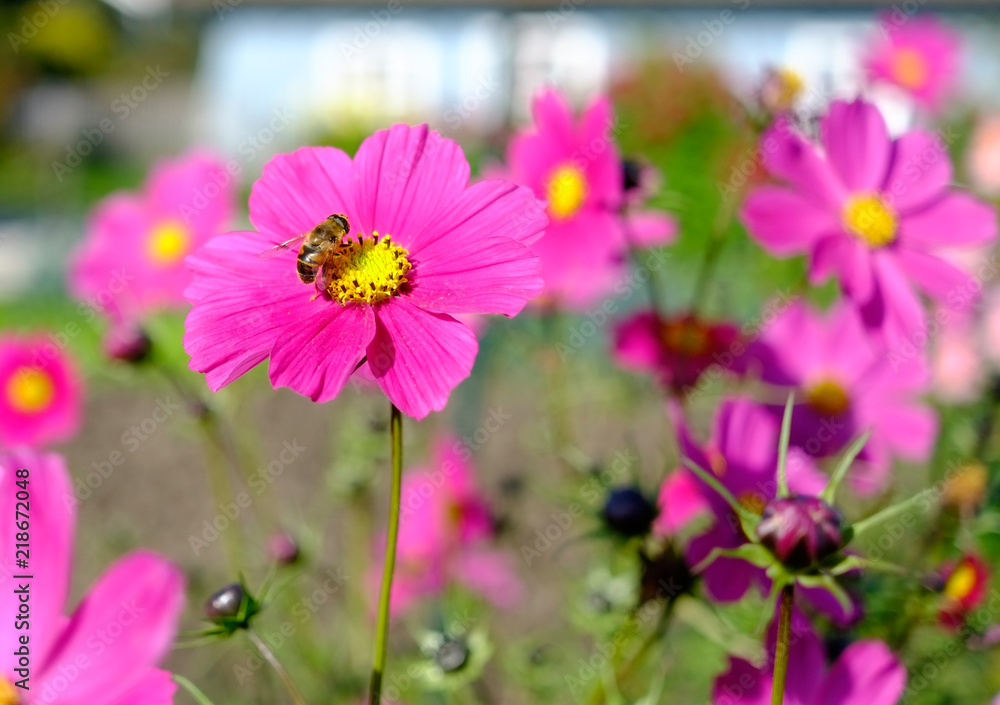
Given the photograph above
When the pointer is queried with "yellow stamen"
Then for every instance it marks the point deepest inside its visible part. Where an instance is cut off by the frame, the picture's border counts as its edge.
(962, 582)
(8, 693)
(566, 191)
(29, 391)
(169, 242)
(909, 68)
(871, 220)
(827, 398)
(686, 336)
(366, 269)
(788, 86)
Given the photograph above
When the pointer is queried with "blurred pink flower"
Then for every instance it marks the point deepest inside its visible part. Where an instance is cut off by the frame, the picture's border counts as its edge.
(676, 350)
(680, 503)
(576, 168)
(444, 535)
(918, 54)
(132, 259)
(106, 652)
(40, 392)
(847, 385)
(454, 249)
(872, 211)
(983, 156)
(866, 673)
(957, 369)
(742, 452)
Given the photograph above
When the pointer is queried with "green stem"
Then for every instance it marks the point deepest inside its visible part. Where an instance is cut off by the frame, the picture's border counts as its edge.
(272, 660)
(192, 690)
(781, 650)
(382, 629)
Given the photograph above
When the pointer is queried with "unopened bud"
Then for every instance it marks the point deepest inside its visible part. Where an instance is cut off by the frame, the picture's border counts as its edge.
(628, 512)
(800, 531)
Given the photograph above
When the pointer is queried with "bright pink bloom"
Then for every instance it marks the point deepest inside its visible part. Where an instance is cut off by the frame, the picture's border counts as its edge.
(40, 392)
(866, 673)
(873, 211)
(123, 627)
(919, 55)
(846, 385)
(576, 168)
(454, 249)
(680, 502)
(676, 350)
(445, 532)
(132, 260)
(743, 454)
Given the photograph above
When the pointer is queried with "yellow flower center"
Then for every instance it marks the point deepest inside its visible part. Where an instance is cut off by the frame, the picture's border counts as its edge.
(753, 502)
(962, 582)
(789, 85)
(8, 693)
(827, 398)
(29, 391)
(566, 191)
(871, 220)
(909, 68)
(368, 270)
(687, 336)
(168, 243)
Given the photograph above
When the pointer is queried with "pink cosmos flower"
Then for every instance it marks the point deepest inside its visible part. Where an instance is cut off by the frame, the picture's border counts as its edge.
(445, 533)
(106, 652)
(40, 392)
(677, 350)
(866, 673)
(743, 454)
(847, 385)
(576, 168)
(132, 258)
(680, 504)
(873, 211)
(423, 245)
(966, 583)
(920, 55)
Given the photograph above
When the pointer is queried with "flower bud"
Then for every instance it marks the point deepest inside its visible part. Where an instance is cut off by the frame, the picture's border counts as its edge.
(452, 655)
(283, 549)
(628, 512)
(127, 343)
(800, 531)
(225, 603)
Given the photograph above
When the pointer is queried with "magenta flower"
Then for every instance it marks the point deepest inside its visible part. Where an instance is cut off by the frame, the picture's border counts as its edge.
(576, 168)
(423, 245)
(847, 386)
(445, 532)
(681, 504)
(676, 350)
(743, 454)
(873, 211)
(106, 652)
(132, 259)
(40, 392)
(920, 55)
(866, 673)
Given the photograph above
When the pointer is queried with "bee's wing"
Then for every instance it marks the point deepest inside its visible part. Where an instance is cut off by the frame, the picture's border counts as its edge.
(279, 249)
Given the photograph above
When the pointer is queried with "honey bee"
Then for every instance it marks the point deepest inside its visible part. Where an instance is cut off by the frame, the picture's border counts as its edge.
(316, 247)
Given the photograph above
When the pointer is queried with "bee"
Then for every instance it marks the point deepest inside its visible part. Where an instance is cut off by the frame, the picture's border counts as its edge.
(317, 245)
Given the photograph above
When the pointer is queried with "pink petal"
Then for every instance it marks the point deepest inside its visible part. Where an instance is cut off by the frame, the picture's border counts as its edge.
(298, 191)
(857, 145)
(920, 170)
(406, 177)
(957, 219)
(849, 259)
(903, 309)
(418, 357)
(743, 684)
(233, 260)
(317, 355)
(867, 673)
(155, 688)
(51, 511)
(553, 117)
(581, 262)
(784, 222)
(938, 278)
(124, 626)
(790, 156)
(680, 502)
(597, 151)
(195, 189)
(651, 229)
(491, 574)
(637, 342)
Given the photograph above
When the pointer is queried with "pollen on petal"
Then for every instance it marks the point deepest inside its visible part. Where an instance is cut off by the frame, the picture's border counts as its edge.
(366, 270)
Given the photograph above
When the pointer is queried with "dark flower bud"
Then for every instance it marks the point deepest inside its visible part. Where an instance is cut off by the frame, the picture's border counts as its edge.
(801, 531)
(632, 174)
(628, 512)
(452, 655)
(664, 577)
(225, 603)
(127, 343)
(283, 549)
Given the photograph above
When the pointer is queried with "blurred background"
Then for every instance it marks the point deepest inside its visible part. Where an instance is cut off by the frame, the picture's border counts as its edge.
(92, 93)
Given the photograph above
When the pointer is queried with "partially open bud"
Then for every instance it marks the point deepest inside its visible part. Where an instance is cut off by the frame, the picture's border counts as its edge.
(225, 603)
(800, 531)
(628, 512)
(283, 549)
(665, 577)
(127, 343)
